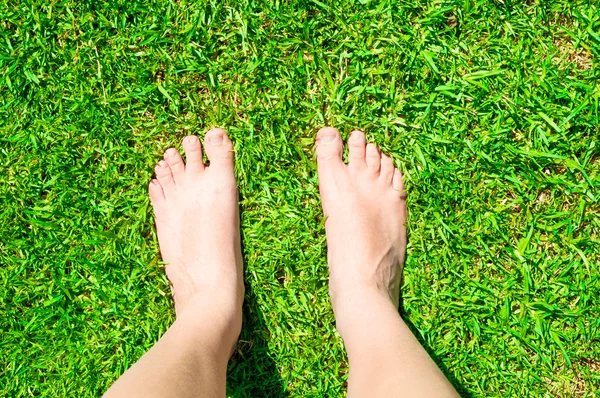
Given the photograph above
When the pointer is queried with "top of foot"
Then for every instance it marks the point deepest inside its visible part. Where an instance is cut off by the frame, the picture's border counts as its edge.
(197, 223)
(365, 212)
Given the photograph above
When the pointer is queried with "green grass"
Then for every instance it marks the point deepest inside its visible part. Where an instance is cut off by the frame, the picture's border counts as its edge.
(491, 108)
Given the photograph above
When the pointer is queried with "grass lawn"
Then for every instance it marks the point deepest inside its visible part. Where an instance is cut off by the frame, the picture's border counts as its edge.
(491, 108)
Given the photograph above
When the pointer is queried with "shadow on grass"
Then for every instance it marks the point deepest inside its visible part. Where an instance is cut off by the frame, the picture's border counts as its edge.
(459, 388)
(252, 371)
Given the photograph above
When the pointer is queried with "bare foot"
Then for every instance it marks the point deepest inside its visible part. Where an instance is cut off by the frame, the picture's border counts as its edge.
(365, 212)
(197, 222)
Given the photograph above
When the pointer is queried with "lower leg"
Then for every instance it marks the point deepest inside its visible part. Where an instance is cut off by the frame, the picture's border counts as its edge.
(385, 358)
(365, 212)
(190, 360)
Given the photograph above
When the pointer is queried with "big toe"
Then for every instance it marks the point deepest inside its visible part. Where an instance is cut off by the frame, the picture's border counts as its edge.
(219, 149)
(330, 164)
(329, 147)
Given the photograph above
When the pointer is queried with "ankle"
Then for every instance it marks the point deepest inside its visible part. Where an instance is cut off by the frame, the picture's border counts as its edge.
(350, 293)
(354, 305)
(211, 339)
(219, 318)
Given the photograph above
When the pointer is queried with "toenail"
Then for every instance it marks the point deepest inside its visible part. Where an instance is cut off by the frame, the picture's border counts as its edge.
(216, 140)
(355, 134)
(192, 140)
(169, 153)
(327, 138)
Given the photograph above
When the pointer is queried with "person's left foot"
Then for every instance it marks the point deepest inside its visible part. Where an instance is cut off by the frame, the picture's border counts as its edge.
(197, 222)
(365, 212)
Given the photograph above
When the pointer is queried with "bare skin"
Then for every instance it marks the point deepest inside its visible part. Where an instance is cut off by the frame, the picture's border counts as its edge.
(366, 239)
(197, 222)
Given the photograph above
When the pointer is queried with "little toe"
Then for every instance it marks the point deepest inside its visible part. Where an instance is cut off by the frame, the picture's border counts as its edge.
(219, 149)
(373, 157)
(398, 183)
(387, 169)
(164, 177)
(357, 147)
(193, 155)
(173, 158)
(156, 193)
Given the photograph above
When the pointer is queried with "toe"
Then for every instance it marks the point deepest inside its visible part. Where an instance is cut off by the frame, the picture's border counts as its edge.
(219, 149)
(387, 169)
(156, 193)
(173, 158)
(373, 157)
(331, 168)
(398, 183)
(193, 155)
(329, 146)
(164, 176)
(356, 150)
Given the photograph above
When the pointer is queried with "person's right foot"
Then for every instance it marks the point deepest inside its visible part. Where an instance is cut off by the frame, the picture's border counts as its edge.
(365, 212)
